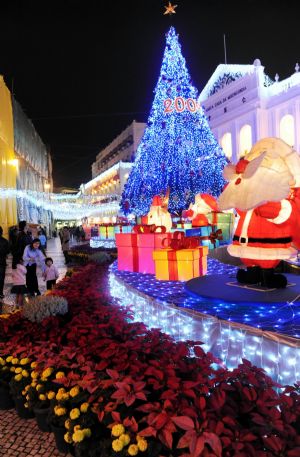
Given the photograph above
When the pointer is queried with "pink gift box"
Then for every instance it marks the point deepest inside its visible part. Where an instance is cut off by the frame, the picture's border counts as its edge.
(146, 243)
(127, 251)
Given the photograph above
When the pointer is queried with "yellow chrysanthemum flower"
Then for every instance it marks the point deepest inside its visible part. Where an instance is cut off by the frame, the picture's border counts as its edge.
(15, 361)
(25, 373)
(74, 413)
(34, 383)
(42, 397)
(61, 390)
(39, 387)
(18, 377)
(18, 370)
(26, 405)
(9, 359)
(133, 449)
(65, 397)
(24, 361)
(117, 430)
(13, 369)
(34, 365)
(117, 445)
(34, 374)
(23, 392)
(87, 432)
(142, 445)
(6, 368)
(68, 438)
(27, 397)
(27, 387)
(50, 395)
(77, 427)
(125, 438)
(48, 372)
(60, 374)
(68, 424)
(78, 436)
(74, 391)
(59, 411)
(84, 407)
(2, 361)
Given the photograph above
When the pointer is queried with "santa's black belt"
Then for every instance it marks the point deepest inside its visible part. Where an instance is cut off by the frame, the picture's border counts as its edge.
(243, 240)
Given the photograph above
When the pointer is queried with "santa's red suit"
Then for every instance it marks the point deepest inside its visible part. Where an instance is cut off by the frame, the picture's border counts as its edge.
(264, 235)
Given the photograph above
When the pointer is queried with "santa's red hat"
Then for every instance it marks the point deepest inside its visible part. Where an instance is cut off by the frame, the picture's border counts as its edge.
(157, 201)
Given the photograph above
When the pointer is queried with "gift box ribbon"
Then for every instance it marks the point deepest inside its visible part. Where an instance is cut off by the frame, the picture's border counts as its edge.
(213, 237)
(180, 241)
(149, 228)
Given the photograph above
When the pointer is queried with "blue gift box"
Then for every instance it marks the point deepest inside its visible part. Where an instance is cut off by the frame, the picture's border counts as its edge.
(125, 229)
(200, 231)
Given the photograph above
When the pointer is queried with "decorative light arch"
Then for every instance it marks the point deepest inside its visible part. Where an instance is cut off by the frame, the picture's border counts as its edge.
(226, 143)
(287, 129)
(245, 143)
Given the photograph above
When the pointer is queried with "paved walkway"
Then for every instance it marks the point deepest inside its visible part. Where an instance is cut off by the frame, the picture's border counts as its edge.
(54, 251)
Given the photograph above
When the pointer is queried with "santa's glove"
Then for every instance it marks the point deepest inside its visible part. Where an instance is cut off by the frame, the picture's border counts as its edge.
(269, 210)
(188, 213)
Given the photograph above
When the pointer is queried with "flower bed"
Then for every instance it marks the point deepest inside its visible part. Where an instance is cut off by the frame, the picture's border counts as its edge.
(83, 254)
(119, 389)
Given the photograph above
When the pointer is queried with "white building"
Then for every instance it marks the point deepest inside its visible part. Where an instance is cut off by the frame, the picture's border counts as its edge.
(244, 105)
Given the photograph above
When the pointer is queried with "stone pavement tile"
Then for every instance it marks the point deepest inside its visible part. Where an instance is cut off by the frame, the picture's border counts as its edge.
(22, 438)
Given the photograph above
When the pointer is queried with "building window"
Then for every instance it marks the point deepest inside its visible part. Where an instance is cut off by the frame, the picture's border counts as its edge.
(226, 144)
(287, 129)
(245, 140)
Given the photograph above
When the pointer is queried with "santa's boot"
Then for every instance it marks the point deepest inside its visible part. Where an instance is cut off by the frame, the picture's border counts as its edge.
(272, 280)
(249, 276)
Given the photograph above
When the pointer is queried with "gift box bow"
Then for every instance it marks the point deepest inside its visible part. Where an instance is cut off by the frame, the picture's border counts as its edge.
(149, 228)
(213, 236)
(180, 241)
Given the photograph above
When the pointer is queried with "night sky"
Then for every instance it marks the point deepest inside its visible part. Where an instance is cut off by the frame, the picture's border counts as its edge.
(84, 69)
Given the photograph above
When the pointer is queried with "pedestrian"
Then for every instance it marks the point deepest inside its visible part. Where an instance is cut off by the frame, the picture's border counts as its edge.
(4, 250)
(33, 256)
(50, 274)
(43, 240)
(19, 283)
(65, 239)
(24, 238)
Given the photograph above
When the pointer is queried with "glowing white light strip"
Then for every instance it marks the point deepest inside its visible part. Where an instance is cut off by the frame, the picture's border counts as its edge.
(105, 174)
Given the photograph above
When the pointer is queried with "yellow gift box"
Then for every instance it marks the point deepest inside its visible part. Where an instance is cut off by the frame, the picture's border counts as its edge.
(176, 265)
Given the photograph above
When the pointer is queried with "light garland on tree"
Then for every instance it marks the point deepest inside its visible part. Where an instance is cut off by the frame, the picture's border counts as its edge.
(76, 209)
(178, 151)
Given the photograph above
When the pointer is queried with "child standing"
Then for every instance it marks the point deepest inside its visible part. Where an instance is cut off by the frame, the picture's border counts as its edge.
(50, 274)
(19, 283)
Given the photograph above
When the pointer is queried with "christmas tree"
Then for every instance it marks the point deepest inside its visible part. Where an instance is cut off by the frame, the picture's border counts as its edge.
(178, 153)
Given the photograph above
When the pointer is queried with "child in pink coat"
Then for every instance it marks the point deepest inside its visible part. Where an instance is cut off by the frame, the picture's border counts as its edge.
(19, 283)
(50, 274)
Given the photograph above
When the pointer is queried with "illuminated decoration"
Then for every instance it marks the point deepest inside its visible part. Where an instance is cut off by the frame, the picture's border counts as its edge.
(180, 104)
(170, 9)
(245, 139)
(159, 215)
(260, 191)
(287, 129)
(178, 150)
(97, 242)
(165, 305)
(61, 206)
(113, 171)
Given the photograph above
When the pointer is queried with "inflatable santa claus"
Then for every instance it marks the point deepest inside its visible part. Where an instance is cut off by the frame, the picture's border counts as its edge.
(158, 214)
(204, 204)
(264, 189)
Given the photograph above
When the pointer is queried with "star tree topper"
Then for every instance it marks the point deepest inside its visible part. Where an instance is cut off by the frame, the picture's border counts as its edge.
(170, 9)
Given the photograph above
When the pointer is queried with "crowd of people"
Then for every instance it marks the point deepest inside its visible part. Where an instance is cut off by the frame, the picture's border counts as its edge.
(28, 253)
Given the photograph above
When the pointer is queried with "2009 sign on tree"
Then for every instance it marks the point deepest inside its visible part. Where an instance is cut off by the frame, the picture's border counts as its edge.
(180, 104)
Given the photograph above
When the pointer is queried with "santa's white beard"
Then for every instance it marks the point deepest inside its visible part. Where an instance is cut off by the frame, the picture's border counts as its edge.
(265, 185)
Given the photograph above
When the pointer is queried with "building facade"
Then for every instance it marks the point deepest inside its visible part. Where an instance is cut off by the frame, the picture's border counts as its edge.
(121, 149)
(244, 105)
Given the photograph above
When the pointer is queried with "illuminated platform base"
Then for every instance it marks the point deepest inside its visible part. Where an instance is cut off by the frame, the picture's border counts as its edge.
(226, 329)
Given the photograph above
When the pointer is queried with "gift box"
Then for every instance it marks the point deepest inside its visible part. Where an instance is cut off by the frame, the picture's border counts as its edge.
(107, 232)
(146, 243)
(127, 252)
(184, 225)
(224, 222)
(176, 265)
(203, 252)
(123, 228)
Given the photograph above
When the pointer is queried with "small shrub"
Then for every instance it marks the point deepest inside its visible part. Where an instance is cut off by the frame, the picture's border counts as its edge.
(38, 308)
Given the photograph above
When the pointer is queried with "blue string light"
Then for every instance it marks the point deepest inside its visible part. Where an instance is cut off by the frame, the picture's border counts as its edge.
(178, 150)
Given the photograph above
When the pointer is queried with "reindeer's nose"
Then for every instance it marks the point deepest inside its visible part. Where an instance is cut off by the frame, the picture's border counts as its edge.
(238, 181)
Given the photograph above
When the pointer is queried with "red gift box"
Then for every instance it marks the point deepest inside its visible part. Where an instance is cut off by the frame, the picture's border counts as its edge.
(127, 251)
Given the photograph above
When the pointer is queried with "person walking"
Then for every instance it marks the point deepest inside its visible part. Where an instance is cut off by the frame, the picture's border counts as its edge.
(50, 274)
(4, 250)
(65, 240)
(43, 240)
(24, 238)
(19, 283)
(32, 257)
